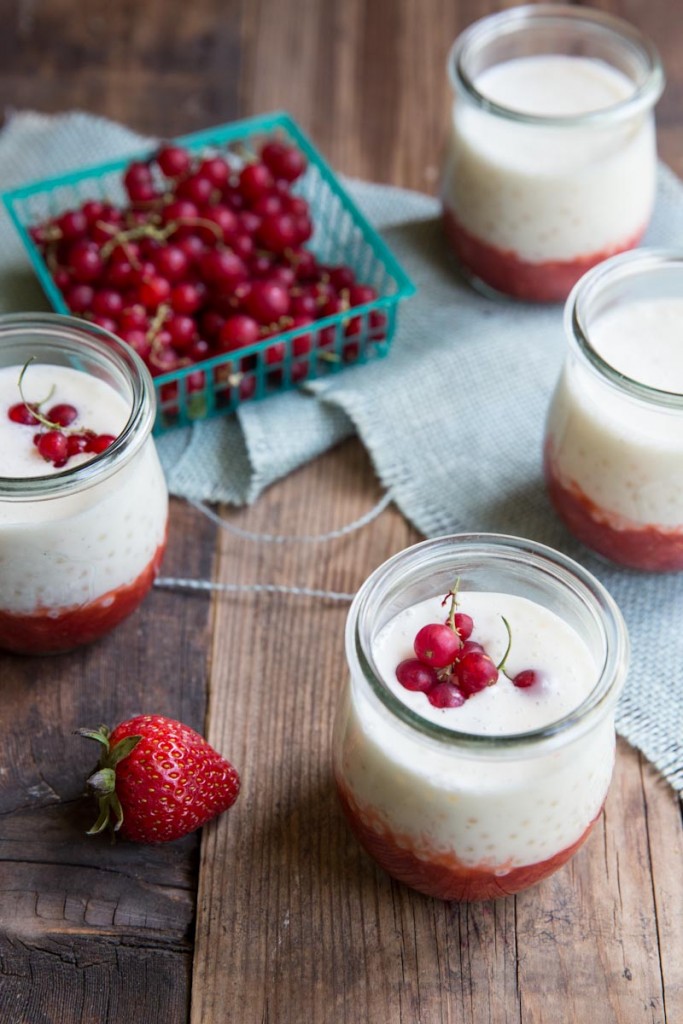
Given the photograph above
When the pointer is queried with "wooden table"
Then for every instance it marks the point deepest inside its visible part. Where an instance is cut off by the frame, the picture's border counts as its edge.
(273, 914)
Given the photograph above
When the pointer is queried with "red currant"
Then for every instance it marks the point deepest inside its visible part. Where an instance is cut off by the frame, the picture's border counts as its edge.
(99, 443)
(21, 413)
(474, 672)
(525, 679)
(285, 162)
(267, 301)
(446, 695)
(255, 181)
(63, 414)
(436, 645)
(173, 161)
(414, 675)
(238, 331)
(53, 446)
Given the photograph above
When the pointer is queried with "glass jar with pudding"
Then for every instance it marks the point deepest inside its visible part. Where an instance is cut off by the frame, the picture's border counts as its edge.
(83, 500)
(551, 161)
(482, 796)
(613, 452)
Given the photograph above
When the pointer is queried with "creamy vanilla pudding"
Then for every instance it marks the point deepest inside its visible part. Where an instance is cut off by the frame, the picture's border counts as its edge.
(551, 162)
(80, 545)
(484, 799)
(614, 435)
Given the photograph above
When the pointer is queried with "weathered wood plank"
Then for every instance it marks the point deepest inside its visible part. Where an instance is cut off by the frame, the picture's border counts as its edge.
(103, 932)
(294, 921)
(164, 68)
(281, 878)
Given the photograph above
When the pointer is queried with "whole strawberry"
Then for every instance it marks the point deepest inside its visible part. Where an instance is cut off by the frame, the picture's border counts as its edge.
(158, 780)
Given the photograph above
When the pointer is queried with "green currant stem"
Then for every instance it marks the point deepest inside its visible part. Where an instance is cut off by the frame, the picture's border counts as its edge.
(453, 594)
(501, 665)
(35, 408)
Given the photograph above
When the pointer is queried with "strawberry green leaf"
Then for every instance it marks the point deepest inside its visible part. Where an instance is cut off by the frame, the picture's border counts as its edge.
(123, 749)
(102, 820)
(101, 735)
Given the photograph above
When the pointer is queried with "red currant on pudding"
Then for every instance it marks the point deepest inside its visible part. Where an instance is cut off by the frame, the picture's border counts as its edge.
(464, 624)
(414, 675)
(63, 414)
(99, 443)
(474, 672)
(469, 646)
(22, 413)
(436, 645)
(445, 695)
(54, 447)
(525, 679)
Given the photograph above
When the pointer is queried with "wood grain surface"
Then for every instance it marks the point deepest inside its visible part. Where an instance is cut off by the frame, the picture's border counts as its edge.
(273, 915)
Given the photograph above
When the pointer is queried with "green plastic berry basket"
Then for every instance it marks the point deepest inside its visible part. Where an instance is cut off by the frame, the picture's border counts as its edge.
(217, 385)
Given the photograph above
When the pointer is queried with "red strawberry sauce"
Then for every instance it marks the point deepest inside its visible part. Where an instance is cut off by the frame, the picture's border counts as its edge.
(48, 631)
(649, 547)
(506, 272)
(443, 876)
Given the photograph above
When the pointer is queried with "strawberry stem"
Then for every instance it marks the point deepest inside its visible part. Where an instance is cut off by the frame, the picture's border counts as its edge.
(102, 782)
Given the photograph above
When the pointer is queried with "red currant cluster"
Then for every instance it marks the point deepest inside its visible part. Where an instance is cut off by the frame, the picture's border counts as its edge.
(448, 667)
(207, 257)
(55, 443)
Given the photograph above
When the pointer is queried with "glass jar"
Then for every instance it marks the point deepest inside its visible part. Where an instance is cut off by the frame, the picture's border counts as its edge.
(80, 546)
(463, 816)
(550, 166)
(613, 450)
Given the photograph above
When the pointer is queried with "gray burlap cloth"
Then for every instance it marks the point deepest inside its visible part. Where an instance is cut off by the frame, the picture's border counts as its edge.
(453, 419)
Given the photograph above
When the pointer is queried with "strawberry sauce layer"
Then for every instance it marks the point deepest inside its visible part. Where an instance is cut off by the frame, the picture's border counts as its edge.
(506, 272)
(54, 631)
(652, 548)
(444, 876)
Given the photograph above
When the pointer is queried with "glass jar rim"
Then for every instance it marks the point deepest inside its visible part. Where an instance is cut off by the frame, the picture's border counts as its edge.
(510, 550)
(77, 336)
(517, 19)
(636, 263)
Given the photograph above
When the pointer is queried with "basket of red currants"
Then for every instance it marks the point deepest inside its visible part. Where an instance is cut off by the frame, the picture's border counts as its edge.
(232, 261)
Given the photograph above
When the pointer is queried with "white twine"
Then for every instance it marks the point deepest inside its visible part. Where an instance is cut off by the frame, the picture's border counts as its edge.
(177, 583)
(285, 538)
(180, 583)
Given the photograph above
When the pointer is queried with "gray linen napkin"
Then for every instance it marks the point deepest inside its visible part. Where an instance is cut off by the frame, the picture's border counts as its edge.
(453, 418)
